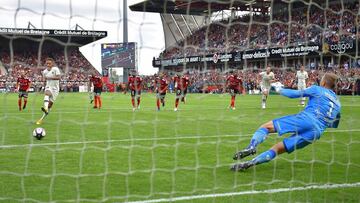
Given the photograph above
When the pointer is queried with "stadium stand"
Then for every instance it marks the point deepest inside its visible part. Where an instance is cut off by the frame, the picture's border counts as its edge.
(228, 36)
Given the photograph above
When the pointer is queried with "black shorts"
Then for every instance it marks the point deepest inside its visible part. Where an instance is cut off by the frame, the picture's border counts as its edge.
(23, 93)
(181, 93)
(161, 95)
(97, 90)
(233, 92)
(135, 93)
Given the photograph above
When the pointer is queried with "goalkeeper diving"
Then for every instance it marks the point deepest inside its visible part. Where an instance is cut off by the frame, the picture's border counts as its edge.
(321, 112)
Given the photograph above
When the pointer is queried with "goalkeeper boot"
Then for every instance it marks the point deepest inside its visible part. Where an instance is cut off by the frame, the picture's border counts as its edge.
(242, 166)
(244, 153)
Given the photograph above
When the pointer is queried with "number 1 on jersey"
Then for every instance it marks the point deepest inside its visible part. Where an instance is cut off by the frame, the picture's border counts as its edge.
(329, 113)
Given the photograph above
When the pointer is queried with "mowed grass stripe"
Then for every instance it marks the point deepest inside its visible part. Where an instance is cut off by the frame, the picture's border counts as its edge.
(116, 155)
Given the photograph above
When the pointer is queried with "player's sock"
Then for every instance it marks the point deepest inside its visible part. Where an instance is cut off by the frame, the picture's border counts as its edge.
(158, 104)
(25, 102)
(263, 98)
(133, 102)
(176, 103)
(232, 101)
(19, 104)
(163, 102)
(138, 102)
(302, 102)
(258, 137)
(50, 105)
(96, 102)
(46, 102)
(99, 101)
(264, 157)
(91, 96)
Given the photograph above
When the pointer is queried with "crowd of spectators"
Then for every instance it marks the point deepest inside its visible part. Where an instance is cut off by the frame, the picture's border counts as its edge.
(303, 24)
(313, 25)
(75, 69)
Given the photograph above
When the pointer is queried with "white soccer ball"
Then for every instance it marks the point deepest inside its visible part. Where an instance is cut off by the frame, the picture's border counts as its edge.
(39, 133)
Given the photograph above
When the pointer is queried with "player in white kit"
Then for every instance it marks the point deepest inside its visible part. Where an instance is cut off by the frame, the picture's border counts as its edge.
(52, 76)
(267, 77)
(301, 77)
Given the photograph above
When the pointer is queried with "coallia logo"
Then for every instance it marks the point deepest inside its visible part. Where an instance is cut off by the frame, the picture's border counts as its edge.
(341, 47)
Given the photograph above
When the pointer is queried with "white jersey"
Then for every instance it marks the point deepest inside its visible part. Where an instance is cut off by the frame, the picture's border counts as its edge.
(266, 78)
(52, 84)
(302, 77)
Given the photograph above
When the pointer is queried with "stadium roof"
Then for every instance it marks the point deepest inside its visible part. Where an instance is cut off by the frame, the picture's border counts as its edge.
(74, 37)
(197, 7)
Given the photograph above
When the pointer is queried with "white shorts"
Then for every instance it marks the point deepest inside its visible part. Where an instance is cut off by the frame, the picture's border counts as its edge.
(54, 93)
(301, 87)
(265, 88)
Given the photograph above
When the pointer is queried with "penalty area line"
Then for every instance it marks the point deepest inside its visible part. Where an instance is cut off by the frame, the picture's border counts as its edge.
(251, 192)
(144, 139)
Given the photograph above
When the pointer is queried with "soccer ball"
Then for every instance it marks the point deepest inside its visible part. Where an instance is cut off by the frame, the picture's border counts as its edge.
(39, 133)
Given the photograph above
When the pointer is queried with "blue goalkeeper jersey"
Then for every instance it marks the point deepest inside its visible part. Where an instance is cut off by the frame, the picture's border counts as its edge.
(323, 107)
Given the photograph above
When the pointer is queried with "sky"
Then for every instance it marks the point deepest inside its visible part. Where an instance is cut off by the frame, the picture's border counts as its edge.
(144, 28)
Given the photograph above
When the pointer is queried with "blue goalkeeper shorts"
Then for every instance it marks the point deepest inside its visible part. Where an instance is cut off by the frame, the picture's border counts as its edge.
(304, 131)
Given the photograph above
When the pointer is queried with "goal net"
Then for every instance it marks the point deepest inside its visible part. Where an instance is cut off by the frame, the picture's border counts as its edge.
(117, 154)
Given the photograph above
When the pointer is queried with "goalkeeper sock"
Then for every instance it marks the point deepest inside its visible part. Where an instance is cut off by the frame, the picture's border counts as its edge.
(46, 102)
(264, 157)
(258, 137)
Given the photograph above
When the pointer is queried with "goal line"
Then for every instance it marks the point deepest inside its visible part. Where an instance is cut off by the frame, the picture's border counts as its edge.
(251, 192)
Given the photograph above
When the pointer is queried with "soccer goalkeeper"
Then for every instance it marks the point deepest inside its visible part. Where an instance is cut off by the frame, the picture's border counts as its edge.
(322, 111)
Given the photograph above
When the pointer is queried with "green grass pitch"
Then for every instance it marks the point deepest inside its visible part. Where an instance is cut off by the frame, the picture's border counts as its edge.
(116, 155)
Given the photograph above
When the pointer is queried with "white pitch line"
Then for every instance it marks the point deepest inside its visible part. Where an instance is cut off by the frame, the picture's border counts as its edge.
(147, 109)
(145, 139)
(251, 192)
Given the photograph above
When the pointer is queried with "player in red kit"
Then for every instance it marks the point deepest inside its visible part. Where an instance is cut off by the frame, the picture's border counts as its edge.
(22, 85)
(161, 85)
(98, 85)
(234, 85)
(181, 84)
(135, 86)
